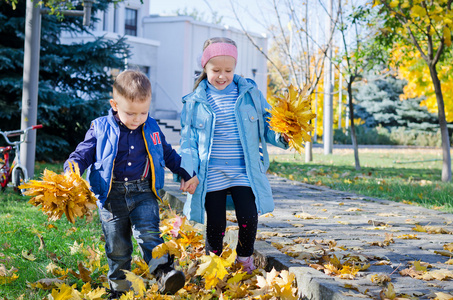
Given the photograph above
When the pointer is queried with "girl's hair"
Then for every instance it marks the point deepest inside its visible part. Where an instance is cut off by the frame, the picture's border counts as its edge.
(132, 85)
(206, 44)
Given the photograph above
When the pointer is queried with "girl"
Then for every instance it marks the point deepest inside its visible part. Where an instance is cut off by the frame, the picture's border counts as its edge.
(224, 135)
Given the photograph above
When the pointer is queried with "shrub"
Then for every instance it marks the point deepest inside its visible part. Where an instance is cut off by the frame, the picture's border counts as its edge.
(395, 136)
(365, 136)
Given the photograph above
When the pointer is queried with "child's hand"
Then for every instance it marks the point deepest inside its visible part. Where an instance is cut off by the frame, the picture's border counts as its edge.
(191, 185)
(285, 137)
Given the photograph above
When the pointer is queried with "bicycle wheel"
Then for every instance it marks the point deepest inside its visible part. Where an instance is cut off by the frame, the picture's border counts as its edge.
(3, 181)
(20, 178)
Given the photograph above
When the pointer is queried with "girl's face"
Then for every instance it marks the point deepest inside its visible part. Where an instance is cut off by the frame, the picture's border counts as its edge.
(220, 71)
(131, 114)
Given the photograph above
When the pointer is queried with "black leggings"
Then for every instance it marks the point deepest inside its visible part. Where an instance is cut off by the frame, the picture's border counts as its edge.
(246, 214)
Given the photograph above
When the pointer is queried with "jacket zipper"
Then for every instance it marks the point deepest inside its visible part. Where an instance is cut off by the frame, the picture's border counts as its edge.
(151, 162)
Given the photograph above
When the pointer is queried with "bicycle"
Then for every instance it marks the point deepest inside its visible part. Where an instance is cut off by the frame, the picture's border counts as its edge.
(16, 173)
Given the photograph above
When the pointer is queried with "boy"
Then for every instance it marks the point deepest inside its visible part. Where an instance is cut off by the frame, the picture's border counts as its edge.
(125, 154)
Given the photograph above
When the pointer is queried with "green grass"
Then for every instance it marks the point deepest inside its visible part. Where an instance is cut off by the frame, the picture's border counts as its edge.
(24, 229)
(406, 175)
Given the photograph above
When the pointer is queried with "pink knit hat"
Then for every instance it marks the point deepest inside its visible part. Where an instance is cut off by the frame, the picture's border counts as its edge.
(218, 49)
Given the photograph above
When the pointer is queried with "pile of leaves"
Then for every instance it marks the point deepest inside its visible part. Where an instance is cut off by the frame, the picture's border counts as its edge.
(207, 276)
(291, 114)
(60, 194)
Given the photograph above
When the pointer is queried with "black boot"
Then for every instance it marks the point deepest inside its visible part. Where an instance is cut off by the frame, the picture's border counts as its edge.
(115, 294)
(169, 280)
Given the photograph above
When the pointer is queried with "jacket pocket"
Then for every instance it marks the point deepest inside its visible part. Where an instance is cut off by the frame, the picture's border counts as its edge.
(199, 123)
(252, 116)
(97, 181)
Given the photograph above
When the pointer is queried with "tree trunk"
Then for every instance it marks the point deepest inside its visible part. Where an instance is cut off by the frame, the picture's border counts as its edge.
(446, 161)
(308, 152)
(351, 120)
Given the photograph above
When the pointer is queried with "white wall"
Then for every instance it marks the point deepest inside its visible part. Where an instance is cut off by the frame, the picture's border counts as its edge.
(170, 47)
(181, 44)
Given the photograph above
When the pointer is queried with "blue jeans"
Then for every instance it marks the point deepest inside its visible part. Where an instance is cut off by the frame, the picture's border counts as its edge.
(131, 209)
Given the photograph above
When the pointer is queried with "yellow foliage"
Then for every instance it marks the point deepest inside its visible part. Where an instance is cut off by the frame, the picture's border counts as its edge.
(171, 247)
(60, 194)
(291, 115)
(138, 285)
(213, 268)
(438, 18)
(7, 276)
(65, 292)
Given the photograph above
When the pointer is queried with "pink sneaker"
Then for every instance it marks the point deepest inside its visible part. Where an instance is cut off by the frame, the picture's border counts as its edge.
(246, 263)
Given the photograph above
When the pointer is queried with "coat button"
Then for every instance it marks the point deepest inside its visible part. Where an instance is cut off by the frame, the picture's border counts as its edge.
(201, 125)
(253, 118)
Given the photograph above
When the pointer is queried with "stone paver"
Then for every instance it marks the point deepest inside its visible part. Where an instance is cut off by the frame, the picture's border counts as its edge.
(355, 226)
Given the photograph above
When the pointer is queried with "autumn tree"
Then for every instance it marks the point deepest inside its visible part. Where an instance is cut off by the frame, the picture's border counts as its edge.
(423, 27)
(419, 82)
(298, 53)
(358, 53)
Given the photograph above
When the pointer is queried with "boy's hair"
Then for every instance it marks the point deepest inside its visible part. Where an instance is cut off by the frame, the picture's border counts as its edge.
(206, 44)
(132, 85)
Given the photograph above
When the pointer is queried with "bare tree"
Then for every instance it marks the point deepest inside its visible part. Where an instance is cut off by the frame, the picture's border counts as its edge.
(292, 32)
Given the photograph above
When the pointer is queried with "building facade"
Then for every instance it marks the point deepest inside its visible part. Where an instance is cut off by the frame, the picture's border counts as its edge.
(168, 50)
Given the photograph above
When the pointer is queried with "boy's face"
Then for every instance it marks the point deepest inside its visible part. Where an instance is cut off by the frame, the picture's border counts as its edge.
(132, 114)
(220, 71)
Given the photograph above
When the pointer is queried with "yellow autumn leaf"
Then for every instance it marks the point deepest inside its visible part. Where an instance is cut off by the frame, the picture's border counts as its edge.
(351, 270)
(7, 276)
(443, 296)
(236, 278)
(380, 278)
(28, 255)
(291, 115)
(418, 11)
(213, 268)
(389, 292)
(419, 266)
(284, 286)
(330, 269)
(171, 247)
(448, 247)
(408, 237)
(137, 283)
(65, 292)
(59, 194)
(90, 294)
(419, 228)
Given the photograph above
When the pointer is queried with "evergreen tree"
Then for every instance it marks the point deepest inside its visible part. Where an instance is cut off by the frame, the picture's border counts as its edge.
(415, 117)
(74, 85)
(378, 103)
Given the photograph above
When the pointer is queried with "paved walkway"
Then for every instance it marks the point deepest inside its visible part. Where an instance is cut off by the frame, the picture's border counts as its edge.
(311, 221)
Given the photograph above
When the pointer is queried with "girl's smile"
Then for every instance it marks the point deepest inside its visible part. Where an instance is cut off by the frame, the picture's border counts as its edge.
(220, 71)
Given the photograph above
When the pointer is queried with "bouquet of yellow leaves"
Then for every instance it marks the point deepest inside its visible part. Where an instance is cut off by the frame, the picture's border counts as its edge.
(66, 193)
(291, 115)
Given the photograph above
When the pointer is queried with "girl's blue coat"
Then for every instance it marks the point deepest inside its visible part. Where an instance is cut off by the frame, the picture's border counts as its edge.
(198, 122)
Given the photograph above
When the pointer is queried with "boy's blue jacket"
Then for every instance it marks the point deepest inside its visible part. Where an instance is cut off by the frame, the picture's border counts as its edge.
(198, 121)
(99, 158)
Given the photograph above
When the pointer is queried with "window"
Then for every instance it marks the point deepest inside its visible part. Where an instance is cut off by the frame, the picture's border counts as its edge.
(131, 22)
(105, 21)
(197, 74)
(115, 20)
(144, 69)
